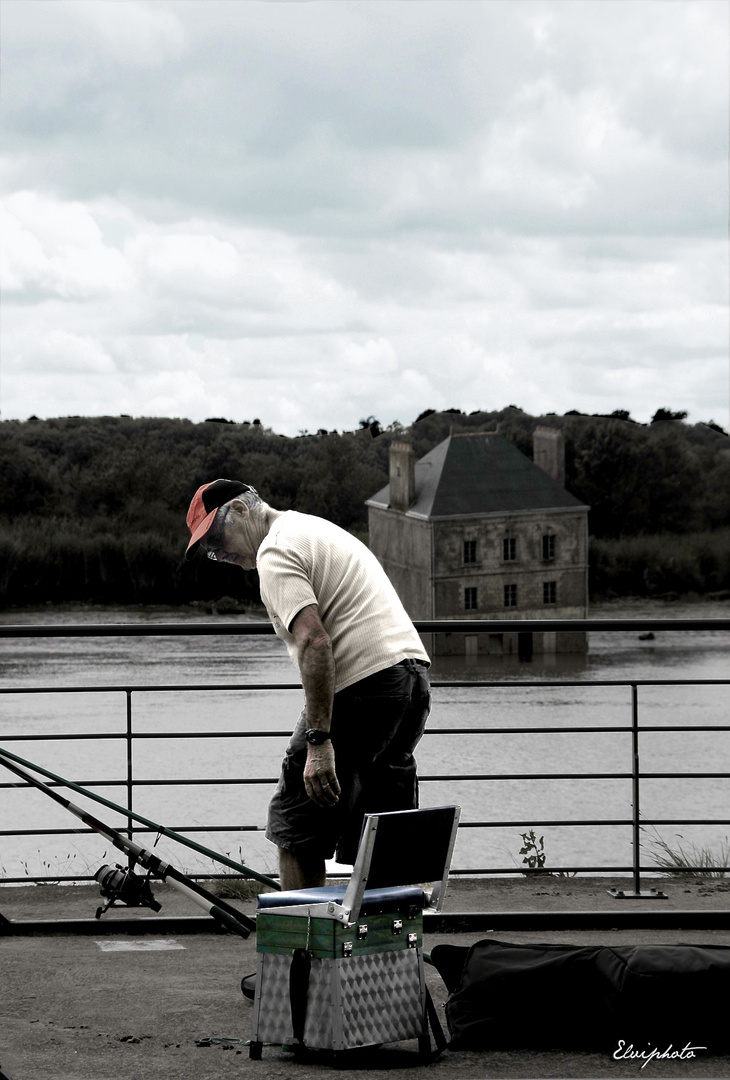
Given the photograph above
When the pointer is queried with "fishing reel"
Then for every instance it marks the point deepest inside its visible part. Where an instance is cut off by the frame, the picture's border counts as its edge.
(120, 883)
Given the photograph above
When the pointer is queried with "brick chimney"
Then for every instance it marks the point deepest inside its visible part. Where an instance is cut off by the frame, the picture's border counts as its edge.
(548, 451)
(402, 476)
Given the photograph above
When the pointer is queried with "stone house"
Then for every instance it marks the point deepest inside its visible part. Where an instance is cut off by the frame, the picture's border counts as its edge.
(476, 530)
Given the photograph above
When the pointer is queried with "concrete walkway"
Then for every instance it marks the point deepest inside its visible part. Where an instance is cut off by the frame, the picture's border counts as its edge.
(140, 1005)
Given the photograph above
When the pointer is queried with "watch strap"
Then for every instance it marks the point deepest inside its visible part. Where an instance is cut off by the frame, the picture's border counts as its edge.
(315, 736)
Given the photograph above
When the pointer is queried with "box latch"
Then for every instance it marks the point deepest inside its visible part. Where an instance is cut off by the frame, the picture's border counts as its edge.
(397, 926)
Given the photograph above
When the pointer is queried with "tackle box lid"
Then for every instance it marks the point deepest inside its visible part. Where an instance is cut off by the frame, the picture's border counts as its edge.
(396, 898)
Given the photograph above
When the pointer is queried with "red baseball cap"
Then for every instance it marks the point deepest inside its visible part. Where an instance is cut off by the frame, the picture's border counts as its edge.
(205, 502)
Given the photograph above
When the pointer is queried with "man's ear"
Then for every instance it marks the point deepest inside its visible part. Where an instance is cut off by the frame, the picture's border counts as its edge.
(239, 508)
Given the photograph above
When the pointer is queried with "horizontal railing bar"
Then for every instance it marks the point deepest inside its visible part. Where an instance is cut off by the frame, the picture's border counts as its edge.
(426, 779)
(424, 626)
(513, 871)
(506, 870)
(92, 736)
(525, 776)
(137, 829)
(66, 737)
(181, 782)
(541, 626)
(580, 776)
(626, 729)
(161, 783)
(598, 822)
(682, 727)
(567, 683)
(436, 684)
(286, 732)
(553, 870)
(532, 823)
(684, 775)
(55, 784)
(143, 688)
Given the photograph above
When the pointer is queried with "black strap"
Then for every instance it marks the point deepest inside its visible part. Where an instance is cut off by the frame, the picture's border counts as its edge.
(301, 965)
(439, 1038)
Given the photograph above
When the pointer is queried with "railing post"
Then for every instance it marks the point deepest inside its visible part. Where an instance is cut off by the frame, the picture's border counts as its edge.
(636, 799)
(130, 778)
(637, 894)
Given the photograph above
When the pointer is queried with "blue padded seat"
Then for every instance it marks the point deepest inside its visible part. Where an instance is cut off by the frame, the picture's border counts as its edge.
(400, 898)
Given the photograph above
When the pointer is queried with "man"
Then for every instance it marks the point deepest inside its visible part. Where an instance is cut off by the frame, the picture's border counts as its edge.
(362, 664)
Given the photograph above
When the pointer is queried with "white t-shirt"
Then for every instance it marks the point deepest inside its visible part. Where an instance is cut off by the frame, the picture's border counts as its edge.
(307, 560)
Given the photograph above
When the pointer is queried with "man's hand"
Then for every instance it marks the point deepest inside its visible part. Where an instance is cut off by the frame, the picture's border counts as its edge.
(320, 778)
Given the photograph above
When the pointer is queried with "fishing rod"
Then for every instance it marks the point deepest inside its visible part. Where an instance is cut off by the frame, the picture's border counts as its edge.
(246, 871)
(126, 886)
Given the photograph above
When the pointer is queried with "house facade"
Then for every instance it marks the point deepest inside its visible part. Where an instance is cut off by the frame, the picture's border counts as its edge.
(476, 530)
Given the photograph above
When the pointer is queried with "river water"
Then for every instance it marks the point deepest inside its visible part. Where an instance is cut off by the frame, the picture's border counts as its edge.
(149, 662)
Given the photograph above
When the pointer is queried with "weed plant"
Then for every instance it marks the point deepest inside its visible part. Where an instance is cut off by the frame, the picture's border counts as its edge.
(689, 857)
(533, 849)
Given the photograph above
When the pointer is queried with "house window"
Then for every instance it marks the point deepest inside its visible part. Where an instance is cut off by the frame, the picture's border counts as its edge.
(470, 551)
(510, 596)
(470, 599)
(549, 592)
(509, 549)
(548, 546)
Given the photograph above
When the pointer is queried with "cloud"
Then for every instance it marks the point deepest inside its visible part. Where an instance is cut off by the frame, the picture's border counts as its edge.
(183, 258)
(364, 119)
(55, 247)
(316, 212)
(60, 351)
(264, 324)
(134, 34)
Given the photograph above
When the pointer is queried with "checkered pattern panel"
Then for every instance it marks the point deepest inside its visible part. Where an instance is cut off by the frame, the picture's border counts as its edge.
(275, 1012)
(381, 997)
(379, 994)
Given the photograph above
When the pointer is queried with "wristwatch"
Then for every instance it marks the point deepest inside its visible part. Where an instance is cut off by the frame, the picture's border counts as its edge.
(315, 737)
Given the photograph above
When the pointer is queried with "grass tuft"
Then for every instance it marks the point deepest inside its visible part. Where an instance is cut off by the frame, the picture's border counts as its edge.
(236, 888)
(692, 858)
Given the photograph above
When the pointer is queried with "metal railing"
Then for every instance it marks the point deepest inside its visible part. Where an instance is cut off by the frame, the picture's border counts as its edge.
(634, 729)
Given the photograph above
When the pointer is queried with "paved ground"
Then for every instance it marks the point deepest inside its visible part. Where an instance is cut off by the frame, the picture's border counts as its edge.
(74, 1009)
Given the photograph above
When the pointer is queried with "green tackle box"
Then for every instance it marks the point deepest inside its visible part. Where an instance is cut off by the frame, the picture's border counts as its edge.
(341, 966)
(364, 982)
(326, 939)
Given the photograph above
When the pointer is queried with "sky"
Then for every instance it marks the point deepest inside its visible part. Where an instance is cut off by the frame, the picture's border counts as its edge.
(312, 212)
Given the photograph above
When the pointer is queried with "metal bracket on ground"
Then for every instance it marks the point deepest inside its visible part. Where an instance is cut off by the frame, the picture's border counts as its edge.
(624, 894)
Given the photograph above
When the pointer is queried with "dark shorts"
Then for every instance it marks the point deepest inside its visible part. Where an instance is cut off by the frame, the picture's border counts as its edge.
(376, 724)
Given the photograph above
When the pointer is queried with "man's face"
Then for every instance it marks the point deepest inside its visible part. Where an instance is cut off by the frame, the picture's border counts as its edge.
(231, 543)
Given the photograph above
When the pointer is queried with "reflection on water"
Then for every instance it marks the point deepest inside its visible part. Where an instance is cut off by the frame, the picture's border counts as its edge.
(499, 668)
(154, 662)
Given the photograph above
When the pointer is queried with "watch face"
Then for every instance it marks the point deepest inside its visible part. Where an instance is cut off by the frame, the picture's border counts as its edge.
(316, 737)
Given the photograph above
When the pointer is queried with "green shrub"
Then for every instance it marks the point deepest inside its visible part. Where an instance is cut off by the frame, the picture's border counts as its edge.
(660, 564)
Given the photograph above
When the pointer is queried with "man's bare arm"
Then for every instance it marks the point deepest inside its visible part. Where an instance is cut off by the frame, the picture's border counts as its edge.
(317, 669)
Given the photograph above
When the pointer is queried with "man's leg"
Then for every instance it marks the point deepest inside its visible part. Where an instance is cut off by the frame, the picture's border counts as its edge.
(387, 713)
(296, 872)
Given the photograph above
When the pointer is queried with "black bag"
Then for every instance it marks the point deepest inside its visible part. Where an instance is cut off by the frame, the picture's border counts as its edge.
(664, 994)
(503, 995)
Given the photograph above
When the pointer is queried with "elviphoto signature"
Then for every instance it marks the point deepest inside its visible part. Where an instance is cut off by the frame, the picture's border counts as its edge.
(628, 1053)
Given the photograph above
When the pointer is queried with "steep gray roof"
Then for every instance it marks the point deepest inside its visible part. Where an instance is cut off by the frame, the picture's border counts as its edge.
(480, 474)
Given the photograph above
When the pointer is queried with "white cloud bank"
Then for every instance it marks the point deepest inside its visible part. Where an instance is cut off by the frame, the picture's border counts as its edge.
(311, 213)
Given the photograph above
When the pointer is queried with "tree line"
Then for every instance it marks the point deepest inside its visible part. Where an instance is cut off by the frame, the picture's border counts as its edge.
(93, 508)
